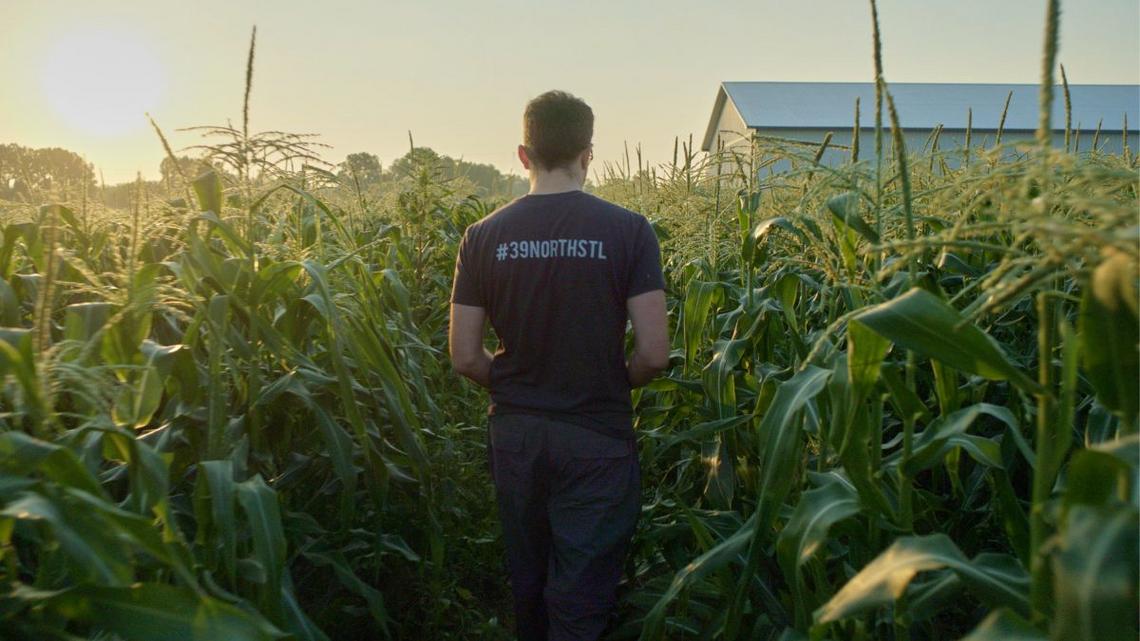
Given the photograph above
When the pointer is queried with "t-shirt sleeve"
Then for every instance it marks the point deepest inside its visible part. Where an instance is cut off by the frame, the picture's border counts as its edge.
(645, 265)
(465, 288)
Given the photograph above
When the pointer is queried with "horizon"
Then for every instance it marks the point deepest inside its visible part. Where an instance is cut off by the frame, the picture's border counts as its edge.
(458, 78)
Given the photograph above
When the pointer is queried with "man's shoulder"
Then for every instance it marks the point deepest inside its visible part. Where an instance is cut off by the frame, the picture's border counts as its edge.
(628, 220)
(611, 207)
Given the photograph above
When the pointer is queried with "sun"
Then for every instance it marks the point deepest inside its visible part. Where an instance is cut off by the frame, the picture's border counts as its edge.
(101, 81)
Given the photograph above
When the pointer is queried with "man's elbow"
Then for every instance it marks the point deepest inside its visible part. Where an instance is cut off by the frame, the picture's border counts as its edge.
(463, 365)
(460, 368)
(657, 358)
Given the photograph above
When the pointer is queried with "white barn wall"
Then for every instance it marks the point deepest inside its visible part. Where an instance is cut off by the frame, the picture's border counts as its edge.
(949, 142)
(730, 128)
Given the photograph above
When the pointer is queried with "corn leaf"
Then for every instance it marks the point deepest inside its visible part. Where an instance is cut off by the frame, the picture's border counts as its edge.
(924, 323)
(700, 299)
(844, 210)
(815, 513)
(997, 580)
(159, 612)
(82, 321)
(22, 454)
(865, 352)
(717, 377)
(1004, 625)
(338, 446)
(725, 552)
(1095, 575)
(950, 431)
(780, 437)
(299, 623)
(214, 500)
(752, 251)
(89, 541)
(259, 503)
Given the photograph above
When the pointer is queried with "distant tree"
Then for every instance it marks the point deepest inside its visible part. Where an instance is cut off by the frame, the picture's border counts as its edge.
(489, 180)
(362, 167)
(27, 173)
(186, 166)
(9, 171)
(418, 158)
(486, 179)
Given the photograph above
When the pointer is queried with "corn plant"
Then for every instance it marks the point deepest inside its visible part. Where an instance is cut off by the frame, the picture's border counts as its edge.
(855, 444)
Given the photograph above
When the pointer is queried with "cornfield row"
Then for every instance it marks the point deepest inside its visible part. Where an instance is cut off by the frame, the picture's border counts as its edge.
(902, 403)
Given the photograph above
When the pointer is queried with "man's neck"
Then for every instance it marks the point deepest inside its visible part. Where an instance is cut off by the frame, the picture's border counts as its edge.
(555, 182)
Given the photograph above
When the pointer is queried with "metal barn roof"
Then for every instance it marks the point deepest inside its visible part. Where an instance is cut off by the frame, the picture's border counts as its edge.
(921, 105)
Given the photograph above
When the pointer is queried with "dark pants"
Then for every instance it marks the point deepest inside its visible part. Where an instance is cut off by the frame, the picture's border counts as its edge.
(568, 501)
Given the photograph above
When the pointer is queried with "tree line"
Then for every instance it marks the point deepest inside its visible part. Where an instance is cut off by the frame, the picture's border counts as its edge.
(26, 173)
(29, 174)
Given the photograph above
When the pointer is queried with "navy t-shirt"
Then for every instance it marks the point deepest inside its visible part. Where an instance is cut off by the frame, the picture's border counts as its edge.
(553, 272)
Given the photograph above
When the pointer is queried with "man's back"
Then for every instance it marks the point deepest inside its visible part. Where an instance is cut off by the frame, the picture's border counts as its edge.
(557, 272)
(554, 272)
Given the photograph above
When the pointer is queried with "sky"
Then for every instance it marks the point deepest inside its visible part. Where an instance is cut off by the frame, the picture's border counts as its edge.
(457, 74)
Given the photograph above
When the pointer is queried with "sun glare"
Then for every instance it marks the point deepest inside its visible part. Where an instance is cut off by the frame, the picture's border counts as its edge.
(102, 81)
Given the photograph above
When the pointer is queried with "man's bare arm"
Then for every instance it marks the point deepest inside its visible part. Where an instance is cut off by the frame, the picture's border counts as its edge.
(650, 337)
(465, 344)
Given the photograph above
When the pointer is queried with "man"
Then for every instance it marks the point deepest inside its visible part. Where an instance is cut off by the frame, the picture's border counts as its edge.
(558, 272)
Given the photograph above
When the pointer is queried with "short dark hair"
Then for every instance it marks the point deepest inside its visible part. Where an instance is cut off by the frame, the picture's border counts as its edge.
(556, 128)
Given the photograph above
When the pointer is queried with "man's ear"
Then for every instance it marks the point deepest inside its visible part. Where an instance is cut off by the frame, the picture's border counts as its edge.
(585, 157)
(524, 158)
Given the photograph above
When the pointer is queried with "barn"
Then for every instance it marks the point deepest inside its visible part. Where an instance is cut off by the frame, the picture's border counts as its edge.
(808, 111)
